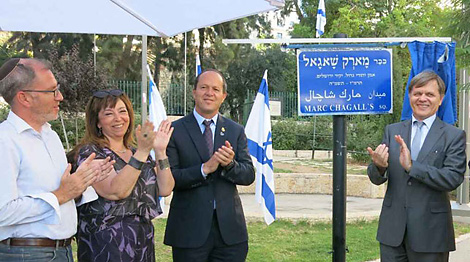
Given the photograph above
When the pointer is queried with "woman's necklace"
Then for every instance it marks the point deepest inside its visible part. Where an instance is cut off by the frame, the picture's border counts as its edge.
(120, 151)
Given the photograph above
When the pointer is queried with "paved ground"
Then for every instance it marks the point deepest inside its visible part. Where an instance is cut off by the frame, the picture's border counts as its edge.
(316, 207)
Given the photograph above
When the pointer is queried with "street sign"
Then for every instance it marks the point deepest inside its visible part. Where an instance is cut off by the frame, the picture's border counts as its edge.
(344, 81)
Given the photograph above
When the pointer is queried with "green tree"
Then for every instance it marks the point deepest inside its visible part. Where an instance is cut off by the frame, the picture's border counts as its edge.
(459, 27)
(38, 45)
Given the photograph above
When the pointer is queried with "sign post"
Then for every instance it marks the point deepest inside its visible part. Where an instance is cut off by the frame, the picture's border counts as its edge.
(342, 82)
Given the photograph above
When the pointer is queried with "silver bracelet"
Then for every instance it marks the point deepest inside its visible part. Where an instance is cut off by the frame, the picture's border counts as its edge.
(163, 164)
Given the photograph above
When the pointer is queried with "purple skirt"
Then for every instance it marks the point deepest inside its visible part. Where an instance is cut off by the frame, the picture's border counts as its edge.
(128, 239)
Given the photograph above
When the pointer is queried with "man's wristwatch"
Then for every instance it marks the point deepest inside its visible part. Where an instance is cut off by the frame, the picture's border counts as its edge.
(230, 165)
(133, 162)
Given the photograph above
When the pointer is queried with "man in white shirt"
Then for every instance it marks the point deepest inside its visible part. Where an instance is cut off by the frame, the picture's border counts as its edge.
(37, 209)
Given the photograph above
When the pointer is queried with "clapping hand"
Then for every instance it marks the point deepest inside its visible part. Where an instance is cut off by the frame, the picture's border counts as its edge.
(405, 155)
(163, 135)
(225, 154)
(145, 137)
(379, 157)
(106, 167)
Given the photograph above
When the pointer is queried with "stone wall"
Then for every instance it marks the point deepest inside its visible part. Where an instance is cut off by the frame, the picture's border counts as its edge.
(302, 183)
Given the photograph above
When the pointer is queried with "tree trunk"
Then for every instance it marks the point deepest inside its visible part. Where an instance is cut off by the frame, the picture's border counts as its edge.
(123, 63)
(298, 11)
(201, 42)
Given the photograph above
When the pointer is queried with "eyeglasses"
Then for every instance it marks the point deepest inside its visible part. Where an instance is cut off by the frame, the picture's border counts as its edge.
(105, 93)
(55, 91)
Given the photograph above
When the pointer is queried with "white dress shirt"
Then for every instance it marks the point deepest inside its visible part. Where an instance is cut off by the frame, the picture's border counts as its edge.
(32, 165)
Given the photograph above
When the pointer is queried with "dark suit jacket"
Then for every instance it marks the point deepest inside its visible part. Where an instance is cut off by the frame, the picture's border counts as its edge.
(192, 206)
(418, 201)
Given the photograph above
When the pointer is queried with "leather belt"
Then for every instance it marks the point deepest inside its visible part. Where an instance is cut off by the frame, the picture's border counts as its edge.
(36, 242)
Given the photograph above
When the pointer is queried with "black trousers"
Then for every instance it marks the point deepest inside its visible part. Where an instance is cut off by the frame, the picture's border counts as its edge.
(213, 250)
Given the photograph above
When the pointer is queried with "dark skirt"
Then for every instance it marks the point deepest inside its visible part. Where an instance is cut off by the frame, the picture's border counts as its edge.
(129, 239)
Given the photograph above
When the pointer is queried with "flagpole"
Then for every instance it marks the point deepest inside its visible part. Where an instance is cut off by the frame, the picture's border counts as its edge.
(185, 68)
(143, 86)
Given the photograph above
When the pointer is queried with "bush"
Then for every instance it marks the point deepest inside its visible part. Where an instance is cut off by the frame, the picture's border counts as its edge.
(74, 126)
(295, 134)
(362, 131)
(4, 109)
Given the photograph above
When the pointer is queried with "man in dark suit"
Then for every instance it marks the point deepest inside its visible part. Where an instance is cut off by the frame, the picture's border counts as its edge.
(422, 159)
(208, 156)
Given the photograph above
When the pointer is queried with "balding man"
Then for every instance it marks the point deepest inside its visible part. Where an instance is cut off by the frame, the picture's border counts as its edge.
(37, 209)
(209, 158)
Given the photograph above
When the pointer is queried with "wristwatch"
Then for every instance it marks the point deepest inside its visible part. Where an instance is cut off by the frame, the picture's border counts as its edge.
(133, 162)
(230, 165)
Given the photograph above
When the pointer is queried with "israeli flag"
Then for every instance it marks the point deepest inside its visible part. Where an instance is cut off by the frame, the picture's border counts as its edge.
(321, 18)
(198, 65)
(157, 114)
(259, 136)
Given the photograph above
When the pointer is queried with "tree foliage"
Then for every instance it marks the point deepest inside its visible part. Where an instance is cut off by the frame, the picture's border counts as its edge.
(77, 77)
(459, 27)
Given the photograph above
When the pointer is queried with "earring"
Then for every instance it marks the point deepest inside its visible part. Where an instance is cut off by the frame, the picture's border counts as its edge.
(100, 132)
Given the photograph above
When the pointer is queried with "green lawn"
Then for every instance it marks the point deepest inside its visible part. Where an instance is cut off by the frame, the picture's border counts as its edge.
(296, 241)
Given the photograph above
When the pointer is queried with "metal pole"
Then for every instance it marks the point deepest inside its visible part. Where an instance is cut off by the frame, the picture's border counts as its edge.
(464, 123)
(94, 54)
(185, 68)
(143, 86)
(339, 185)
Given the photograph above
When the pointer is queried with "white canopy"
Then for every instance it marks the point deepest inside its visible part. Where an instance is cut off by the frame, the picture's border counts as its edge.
(125, 17)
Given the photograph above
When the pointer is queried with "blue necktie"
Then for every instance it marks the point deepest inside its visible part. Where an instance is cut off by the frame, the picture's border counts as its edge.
(416, 144)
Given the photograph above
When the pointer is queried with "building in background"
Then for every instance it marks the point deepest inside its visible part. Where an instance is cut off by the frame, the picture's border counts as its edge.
(280, 26)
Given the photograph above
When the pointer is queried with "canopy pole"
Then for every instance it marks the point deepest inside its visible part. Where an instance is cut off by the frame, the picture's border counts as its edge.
(185, 69)
(144, 79)
(94, 54)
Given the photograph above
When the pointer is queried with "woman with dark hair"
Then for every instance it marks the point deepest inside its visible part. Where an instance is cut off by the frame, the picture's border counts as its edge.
(117, 226)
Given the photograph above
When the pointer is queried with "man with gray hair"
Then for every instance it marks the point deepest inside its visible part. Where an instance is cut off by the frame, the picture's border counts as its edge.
(423, 159)
(37, 210)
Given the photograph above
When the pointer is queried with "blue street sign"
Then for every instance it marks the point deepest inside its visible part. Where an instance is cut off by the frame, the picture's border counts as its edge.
(344, 82)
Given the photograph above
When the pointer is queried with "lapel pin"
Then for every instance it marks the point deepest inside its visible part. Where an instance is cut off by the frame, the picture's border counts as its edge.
(222, 133)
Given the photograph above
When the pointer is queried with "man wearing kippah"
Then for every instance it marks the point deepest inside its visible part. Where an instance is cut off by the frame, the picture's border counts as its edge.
(37, 210)
(423, 159)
